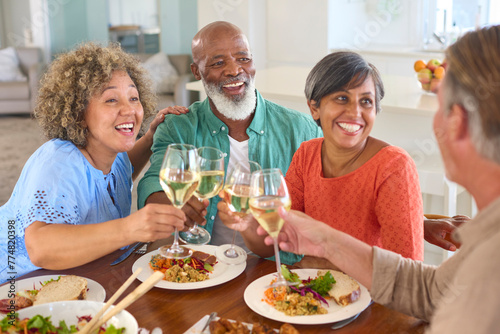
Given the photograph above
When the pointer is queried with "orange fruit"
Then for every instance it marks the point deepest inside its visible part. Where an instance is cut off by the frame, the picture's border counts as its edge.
(439, 72)
(419, 65)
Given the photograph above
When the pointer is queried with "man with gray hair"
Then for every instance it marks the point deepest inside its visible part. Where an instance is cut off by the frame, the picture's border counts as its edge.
(234, 118)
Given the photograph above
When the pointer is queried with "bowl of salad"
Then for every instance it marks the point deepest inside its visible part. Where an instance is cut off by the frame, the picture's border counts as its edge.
(66, 317)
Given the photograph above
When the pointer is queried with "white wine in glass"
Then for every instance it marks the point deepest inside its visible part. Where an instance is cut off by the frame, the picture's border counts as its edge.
(211, 163)
(269, 193)
(237, 190)
(179, 178)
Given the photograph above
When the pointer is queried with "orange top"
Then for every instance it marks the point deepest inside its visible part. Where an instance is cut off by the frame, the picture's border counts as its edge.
(379, 203)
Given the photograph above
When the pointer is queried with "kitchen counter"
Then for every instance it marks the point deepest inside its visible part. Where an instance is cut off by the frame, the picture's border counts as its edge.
(431, 52)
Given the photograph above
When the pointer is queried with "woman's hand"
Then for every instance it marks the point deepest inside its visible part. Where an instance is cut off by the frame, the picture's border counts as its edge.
(154, 222)
(438, 231)
(141, 152)
(160, 116)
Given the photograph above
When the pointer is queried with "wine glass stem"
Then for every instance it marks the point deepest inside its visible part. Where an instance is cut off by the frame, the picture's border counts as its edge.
(175, 244)
(194, 228)
(278, 261)
(234, 239)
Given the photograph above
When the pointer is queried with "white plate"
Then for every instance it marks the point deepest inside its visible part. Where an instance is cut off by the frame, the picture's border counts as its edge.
(70, 310)
(197, 327)
(222, 272)
(95, 290)
(254, 295)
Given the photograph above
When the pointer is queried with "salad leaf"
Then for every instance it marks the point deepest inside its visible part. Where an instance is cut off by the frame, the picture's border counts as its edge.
(42, 324)
(5, 323)
(64, 329)
(113, 330)
(322, 284)
(50, 280)
(208, 267)
(288, 275)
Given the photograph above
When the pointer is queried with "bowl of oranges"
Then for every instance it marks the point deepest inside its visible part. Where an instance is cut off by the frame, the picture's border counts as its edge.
(430, 74)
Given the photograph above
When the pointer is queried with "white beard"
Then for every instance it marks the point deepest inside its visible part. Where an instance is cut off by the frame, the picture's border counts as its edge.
(237, 109)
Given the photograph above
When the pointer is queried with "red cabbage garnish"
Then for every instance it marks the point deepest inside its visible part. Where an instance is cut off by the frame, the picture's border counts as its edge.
(303, 290)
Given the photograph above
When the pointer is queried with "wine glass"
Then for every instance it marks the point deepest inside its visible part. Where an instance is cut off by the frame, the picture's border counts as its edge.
(179, 177)
(268, 193)
(237, 190)
(211, 163)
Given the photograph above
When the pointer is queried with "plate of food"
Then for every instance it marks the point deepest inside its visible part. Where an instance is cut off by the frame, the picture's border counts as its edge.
(223, 325)
(74, 313)
(199, 271)
(303, 304)
(49, 288)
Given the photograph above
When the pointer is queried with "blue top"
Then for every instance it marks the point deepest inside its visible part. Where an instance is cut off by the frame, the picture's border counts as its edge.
(275, 134)
(59, 186)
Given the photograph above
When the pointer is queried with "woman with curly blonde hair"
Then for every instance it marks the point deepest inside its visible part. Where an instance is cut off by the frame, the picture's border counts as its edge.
(71, 204)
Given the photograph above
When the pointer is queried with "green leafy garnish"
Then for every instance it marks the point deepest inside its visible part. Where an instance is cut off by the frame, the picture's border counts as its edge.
(42, 324)
(288, 275)
(5, 323)
(322, 284)
(208, 267)
(51, 280)
(113, 330)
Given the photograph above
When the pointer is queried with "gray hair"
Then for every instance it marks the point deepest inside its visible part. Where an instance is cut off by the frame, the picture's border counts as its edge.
(472, 81)
(341, 70)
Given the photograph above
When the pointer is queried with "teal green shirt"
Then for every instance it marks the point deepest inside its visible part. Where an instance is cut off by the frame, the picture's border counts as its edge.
(275, 134)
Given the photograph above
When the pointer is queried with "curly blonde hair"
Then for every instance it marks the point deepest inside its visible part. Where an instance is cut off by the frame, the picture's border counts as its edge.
(74, 77)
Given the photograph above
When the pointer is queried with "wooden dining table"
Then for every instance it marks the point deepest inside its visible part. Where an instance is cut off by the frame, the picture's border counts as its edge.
(176, 311)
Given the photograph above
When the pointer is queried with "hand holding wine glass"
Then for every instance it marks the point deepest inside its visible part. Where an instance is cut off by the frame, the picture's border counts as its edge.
(179, 178)
(268, 193)
(211, 164)
(237, 192)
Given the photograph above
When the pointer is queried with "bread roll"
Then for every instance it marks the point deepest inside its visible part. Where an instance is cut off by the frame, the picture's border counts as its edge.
(346, 290)
(69, 287)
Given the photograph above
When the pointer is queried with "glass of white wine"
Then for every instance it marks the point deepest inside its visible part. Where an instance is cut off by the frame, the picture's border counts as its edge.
(237, 189)
(268, 193)
(211, 163)
(179, 178)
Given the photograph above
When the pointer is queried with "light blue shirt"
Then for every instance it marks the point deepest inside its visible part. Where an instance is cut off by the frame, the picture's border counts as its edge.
(59, 186)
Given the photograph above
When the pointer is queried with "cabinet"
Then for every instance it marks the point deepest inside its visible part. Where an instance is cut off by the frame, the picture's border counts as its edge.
(133, 39)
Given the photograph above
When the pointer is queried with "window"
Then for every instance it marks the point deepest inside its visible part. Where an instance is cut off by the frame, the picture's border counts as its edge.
(446, 20)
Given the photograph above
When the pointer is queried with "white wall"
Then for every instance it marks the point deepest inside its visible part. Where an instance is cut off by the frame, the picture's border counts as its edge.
(279, 31)
(248, 15)
(16, 17)
(371, 23)
(297, 32)
(2, 28)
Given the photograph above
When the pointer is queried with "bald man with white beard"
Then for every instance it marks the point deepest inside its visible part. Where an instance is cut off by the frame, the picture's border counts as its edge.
(234, 118)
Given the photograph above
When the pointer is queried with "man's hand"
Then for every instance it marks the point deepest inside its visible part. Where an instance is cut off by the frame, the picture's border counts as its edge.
(194, 209)
(301, 234)
(231, 219)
